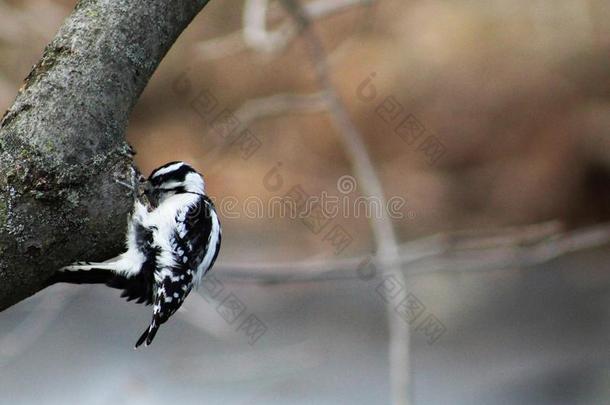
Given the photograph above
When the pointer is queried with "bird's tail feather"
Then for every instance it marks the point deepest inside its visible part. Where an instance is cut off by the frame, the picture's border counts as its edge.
(148, 335)
(116, 264)
(94, 276)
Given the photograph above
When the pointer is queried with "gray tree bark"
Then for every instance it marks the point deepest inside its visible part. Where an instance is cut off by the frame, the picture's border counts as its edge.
(62, 144)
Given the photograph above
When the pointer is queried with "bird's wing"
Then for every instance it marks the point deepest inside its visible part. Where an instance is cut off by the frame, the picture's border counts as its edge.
(194, 230)
(197, 233)
(138, 287)
(214, 236)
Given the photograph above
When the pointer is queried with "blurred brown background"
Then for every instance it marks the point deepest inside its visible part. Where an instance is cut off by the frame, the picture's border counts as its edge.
(517, 92)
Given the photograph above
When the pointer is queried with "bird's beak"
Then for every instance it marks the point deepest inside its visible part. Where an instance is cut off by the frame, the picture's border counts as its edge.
(147, 190)
(143, 187)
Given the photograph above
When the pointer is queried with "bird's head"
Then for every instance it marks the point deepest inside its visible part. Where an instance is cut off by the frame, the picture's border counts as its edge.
(171, 179)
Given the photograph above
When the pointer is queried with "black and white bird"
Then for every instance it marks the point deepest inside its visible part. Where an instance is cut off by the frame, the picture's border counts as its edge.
(171, 244)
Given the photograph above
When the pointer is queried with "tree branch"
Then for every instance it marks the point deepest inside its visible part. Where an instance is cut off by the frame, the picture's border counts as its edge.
(62, 144)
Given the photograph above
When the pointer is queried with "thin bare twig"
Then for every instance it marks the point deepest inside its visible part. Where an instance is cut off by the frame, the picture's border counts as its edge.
(266, 107)
(221, 47)
(256, 35)
(455, 253)
(409, 253)
(278, 104)
(383, 231)
(255, 32)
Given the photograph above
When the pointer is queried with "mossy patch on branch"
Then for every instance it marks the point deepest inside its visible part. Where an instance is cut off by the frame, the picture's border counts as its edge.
(3, 211)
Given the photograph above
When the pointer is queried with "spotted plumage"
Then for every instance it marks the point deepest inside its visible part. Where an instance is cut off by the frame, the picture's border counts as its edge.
(171, 245)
